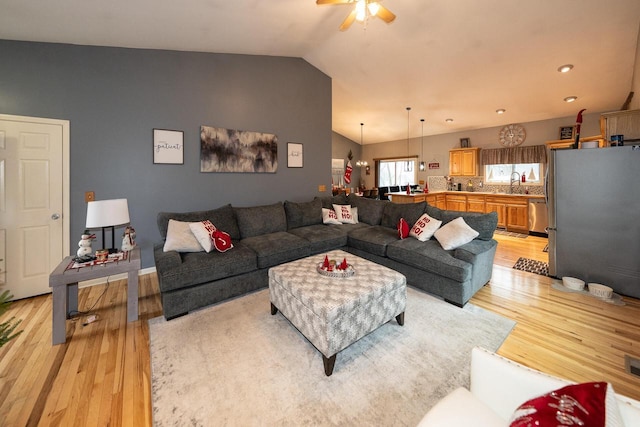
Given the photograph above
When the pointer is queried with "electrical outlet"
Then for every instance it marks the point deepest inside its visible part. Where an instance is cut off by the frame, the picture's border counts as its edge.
(89, 196)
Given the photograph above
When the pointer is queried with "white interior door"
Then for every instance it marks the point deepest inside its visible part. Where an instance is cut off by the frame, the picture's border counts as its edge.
(33, 181)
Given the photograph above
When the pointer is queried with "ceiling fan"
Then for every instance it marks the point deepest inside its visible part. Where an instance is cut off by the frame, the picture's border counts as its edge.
(362, 11)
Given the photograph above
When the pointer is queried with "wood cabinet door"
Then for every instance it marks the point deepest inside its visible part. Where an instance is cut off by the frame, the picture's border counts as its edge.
(500, 209)
(441, 201)
(469, 163)
(456, 202)
(455, 163)
(475, 204)
(517, 217)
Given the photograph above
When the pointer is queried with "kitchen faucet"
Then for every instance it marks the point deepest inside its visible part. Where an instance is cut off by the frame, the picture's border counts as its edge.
(512, 181)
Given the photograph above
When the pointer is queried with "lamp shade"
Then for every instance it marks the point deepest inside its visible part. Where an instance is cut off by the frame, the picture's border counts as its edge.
(107, 213)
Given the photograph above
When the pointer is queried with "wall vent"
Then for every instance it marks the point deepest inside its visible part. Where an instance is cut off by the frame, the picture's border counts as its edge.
(632, 365)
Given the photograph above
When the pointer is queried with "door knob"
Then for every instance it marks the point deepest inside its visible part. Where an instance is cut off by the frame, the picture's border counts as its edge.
(55, 216)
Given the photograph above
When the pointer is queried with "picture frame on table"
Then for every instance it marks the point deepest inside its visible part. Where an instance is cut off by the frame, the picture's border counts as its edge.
(295, 155)
(465, 143)
(168, 146)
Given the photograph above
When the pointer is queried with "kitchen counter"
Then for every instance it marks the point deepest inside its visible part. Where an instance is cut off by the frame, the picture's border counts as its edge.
(490, 193)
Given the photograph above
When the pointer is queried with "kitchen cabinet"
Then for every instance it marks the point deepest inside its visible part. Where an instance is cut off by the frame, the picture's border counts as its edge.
(475, 203)
(513, 212)
(437, 200)
(456, 202)
(560, 144)
(407, 198)
(464, 161)
(625, 123)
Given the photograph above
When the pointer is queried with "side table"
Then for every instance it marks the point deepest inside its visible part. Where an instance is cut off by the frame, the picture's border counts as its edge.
(64, 282)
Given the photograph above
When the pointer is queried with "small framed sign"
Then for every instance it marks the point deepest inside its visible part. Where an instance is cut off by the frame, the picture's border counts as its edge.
(168, 146)
(465, 143)
(294, 155)
(566, 132)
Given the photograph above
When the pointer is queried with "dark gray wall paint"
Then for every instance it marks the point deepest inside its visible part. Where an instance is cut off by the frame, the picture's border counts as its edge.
(114, 97)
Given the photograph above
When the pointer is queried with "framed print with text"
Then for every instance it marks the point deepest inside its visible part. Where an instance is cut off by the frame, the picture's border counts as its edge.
(294, 155)
(168, 146)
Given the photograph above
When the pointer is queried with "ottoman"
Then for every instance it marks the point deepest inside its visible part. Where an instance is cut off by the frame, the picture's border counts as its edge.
(333, 313)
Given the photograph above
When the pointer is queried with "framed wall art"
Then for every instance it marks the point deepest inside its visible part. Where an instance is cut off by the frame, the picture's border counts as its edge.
(168, 146)
(230, 150)
(566, 132)
(294, 155)
(465, 143)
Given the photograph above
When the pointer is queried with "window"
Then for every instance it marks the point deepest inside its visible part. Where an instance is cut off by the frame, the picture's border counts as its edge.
(501, 174)
(399, 171)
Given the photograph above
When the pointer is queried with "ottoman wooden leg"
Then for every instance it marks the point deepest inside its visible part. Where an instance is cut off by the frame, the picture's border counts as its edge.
(274, 309)
(329, 363)
(400, 319)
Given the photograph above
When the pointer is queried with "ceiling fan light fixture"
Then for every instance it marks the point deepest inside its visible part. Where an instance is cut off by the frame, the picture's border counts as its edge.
(361, 10)
(373, 7)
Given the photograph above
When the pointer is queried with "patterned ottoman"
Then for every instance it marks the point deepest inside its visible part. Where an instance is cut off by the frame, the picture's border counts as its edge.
(333, 313)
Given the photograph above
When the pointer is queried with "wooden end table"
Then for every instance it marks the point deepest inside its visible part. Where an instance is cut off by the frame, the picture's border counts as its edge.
(64, 281)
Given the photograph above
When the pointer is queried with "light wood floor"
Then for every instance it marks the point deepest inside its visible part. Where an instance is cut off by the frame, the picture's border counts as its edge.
(101, 376)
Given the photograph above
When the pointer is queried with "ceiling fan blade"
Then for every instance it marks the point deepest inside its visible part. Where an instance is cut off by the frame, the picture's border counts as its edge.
(347, 22)
(385, 14)
(334, 1)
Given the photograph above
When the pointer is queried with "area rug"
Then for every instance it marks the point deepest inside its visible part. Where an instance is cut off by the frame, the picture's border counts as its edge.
(511, 234)
(236, 364)
(532, 266)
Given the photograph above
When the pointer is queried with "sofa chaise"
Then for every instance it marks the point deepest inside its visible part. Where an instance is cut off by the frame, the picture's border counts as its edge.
(266, 236)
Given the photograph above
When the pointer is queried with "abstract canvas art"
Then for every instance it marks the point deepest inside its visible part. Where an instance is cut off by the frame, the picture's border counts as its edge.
(230, 150)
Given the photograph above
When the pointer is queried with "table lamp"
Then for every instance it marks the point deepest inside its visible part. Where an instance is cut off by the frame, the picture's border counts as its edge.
(107, 213)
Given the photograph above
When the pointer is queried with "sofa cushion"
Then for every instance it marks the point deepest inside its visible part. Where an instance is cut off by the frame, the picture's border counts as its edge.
(455, 234)
(373, 239)
(329, 216)
(447, 412)
(346, 214)
(202, 267)
(484, 224)
(394, 211)
(424, 227)
(429, 256)
(224, 218)
(369, 210)
(259, 220)
(322, 238)
(303, 214)
(329, 201)
(277, 248)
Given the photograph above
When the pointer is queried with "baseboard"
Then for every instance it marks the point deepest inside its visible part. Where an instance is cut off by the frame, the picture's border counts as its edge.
(122, 276)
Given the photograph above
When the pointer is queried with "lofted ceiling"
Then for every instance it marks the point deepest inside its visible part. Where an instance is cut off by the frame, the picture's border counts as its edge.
(459, 59)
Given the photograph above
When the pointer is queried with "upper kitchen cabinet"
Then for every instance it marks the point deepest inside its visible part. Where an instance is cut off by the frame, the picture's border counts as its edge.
(625, 123)
(464, 161)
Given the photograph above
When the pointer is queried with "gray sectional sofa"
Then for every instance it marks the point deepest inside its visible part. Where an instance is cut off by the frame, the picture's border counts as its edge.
(266, 236)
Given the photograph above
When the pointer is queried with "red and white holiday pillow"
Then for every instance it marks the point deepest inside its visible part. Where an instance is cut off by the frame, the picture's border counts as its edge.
(329, 217)
(345, 214)
(587, 404)
(210, 237)
(424, 228)
(403, 229)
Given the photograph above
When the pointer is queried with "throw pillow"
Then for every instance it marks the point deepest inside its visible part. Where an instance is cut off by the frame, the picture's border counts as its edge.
(329, 217)
(455, 234)
(202, 232)
(180, 238)
(403, 229)
(344, 214)
(210, 237)
(424, 228)
(588, 404)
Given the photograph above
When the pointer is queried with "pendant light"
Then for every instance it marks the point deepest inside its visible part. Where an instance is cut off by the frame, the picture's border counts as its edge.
(422, 147)
(362, 163)
(407, 166)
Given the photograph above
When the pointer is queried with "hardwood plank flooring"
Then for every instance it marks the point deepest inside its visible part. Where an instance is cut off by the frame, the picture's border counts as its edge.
(102, 374)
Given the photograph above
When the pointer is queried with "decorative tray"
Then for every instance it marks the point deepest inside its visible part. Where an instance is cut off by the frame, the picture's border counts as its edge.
(336, 274)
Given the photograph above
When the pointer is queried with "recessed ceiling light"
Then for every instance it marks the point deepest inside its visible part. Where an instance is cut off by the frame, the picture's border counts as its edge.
(501, 111)
(449, 120)
(565, 68)
(570, 98)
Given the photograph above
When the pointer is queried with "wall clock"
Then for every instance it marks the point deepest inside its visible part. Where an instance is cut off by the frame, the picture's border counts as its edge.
(512, 135)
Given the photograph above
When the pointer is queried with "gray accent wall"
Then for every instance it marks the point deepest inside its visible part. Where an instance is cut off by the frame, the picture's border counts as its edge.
(115, 97)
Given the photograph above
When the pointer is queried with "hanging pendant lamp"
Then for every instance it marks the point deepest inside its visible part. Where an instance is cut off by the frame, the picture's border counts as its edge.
(422, 147)
(407, 166)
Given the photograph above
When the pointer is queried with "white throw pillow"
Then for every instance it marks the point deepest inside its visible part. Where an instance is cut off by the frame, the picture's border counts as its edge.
(329, 217)
(424, 228)
(180, 238)
(345, 214)
(202, 234)
(455, 234)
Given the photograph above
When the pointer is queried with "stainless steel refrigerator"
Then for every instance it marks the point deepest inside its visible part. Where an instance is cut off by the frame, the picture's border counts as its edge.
(593, 197)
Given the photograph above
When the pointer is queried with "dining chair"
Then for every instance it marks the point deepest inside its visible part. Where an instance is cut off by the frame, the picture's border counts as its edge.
(394, 189)
(382, 193)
